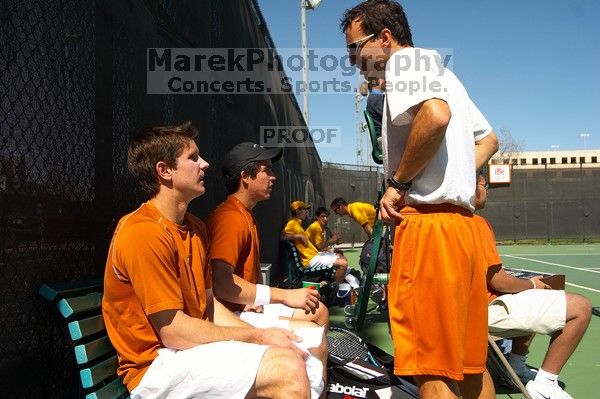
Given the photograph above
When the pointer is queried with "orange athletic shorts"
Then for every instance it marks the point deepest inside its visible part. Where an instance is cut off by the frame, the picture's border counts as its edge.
(437, 293)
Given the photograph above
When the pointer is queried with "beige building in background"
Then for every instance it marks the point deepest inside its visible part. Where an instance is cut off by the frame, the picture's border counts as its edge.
(551, 159)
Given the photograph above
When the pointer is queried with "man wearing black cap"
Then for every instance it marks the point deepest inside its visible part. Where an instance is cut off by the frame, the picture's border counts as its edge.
(234, 251)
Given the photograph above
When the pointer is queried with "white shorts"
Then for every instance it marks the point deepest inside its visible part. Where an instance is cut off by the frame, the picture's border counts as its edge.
(270, 316)
(311, 337)
(526, 312)
(324, 260)
(225, 369)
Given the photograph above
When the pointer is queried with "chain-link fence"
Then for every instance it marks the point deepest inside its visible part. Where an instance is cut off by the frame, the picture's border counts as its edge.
(549, 204)
(353, 183)
(72, 92)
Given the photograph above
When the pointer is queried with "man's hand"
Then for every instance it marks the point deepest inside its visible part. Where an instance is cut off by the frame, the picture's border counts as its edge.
(334, 238)
(280, 337)
(391, 203)
(302, 298)
(539, 284)
(254, 308)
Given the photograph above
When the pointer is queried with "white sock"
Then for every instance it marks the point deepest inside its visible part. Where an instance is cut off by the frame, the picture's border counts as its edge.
(545, 377)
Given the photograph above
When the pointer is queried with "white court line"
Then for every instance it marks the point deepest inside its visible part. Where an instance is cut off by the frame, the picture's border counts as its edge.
(582, 287)
(553, 264)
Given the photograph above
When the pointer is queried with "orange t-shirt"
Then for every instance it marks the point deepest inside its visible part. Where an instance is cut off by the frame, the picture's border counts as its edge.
(488, 240)
(234, 240)
(306, 252)
(153, 265)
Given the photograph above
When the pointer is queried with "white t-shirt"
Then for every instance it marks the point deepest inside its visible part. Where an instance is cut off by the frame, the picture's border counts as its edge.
(412, 76)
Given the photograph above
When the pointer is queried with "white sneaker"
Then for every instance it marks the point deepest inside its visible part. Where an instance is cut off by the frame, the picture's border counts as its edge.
(545, 391)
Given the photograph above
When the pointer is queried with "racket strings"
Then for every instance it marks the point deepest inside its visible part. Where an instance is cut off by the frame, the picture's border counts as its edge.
(346, 345)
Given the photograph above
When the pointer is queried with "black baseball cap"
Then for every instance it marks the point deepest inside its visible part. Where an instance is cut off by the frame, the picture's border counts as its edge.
(244, 153)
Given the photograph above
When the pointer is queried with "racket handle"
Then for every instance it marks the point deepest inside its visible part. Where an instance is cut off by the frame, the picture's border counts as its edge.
(381, 278)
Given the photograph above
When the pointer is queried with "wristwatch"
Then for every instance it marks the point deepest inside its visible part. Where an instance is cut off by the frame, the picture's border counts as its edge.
(391, 182)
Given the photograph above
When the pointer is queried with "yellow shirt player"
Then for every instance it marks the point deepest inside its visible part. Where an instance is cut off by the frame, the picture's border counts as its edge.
(363, 213)
(316, 231)
(310, 256)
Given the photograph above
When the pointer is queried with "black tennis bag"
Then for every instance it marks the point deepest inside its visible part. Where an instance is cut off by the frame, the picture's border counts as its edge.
(383, 256)
(360, 370)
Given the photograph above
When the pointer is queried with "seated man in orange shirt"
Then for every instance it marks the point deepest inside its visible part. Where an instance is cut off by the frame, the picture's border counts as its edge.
(521, 307)
(171, 336)
(317, 229)
(235, 257)
(361, 212)
(310, 256)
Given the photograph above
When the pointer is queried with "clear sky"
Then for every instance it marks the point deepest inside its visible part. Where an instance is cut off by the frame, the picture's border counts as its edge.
(532, 67)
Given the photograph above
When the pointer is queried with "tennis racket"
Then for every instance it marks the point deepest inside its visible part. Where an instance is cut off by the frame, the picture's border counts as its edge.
(344, 345)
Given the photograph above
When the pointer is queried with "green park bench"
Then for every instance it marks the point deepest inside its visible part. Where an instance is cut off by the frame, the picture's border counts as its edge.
(79, 305)
(296, 273)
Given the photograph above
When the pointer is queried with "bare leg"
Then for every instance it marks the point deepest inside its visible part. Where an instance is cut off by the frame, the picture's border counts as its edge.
(563, 343)
(273, 377)
(520, 345)
(477, 386)
(321, 351)
(320, 317)
(436, 387)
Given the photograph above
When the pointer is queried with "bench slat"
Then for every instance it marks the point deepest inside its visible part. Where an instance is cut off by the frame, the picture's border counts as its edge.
(112, 390)
(93, 375)
(84, 328)
(52, 291)
(92, 350)
(70, 306)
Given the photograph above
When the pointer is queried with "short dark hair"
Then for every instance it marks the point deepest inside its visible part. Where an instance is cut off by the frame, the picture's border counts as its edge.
(320, 210)
(376, 15)
(338, 202)
(155, 144)
(232, 184)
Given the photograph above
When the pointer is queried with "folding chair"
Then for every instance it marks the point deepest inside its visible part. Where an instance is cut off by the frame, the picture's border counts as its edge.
(376, 152)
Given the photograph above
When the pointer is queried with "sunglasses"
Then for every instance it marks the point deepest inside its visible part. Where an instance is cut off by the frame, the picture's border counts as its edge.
(355, 45)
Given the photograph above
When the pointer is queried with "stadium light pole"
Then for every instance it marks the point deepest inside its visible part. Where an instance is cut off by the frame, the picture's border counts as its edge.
(305, 5)
(584, 136)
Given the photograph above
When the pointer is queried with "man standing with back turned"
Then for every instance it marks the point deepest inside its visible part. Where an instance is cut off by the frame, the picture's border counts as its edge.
(172, 338)
(434, 139)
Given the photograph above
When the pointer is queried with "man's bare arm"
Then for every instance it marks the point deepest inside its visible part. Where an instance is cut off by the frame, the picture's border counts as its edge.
(232, 288)
(180, 331)
(368, 229)
(499, 280)
(426, 134)
(293, 237)
(485, 149)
